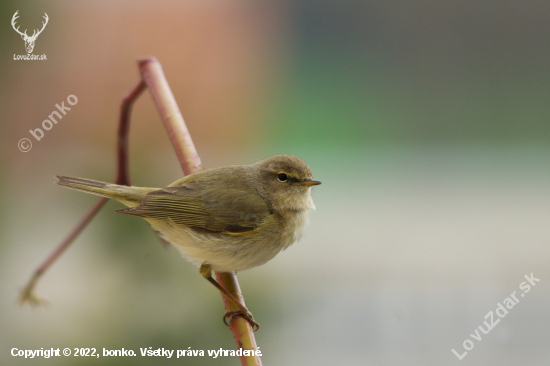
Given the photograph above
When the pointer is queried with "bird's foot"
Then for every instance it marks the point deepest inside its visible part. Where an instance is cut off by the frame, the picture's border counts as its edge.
(247, 315)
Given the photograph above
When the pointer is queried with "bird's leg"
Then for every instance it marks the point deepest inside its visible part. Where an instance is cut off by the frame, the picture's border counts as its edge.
(206, 271)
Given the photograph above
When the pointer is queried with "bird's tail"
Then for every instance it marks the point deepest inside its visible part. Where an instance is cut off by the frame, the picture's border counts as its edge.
(130, 196)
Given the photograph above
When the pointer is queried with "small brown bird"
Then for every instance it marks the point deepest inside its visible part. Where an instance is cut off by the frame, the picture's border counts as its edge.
(224, 219)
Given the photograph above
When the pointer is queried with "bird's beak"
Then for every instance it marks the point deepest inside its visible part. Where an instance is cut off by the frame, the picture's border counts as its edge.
(309, 182)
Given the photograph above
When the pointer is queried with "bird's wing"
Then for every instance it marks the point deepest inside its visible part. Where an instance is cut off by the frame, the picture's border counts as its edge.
(218, 210)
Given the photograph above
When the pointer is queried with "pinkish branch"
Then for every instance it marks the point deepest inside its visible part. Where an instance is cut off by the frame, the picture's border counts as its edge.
(28, 294)
(151, 73)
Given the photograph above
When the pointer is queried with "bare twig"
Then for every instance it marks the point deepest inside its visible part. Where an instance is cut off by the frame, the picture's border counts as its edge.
(241, 329)
(123, 173)
(151, 72)
(29, 294)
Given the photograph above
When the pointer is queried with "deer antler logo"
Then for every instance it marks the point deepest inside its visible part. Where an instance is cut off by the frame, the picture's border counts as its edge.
(29, 41)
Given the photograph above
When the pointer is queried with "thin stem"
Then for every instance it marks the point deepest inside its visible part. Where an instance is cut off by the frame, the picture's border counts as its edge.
(28, 294)
(123, 174)
(151, 72)
(241, 329)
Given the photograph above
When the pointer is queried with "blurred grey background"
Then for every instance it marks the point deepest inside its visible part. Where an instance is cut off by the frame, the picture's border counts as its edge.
(426, 121)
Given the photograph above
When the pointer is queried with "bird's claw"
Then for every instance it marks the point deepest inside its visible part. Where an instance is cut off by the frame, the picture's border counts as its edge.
(247, 315)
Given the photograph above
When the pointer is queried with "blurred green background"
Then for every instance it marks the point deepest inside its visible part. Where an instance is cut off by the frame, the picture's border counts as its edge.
(426, 121)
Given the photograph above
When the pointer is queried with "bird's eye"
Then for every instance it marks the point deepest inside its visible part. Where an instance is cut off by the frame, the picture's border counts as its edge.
(282, 177)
